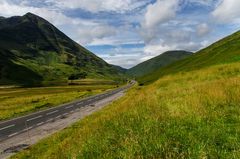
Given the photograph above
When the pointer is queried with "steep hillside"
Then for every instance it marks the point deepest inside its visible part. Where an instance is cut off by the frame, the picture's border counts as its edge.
(33, 51)
(224, 51)
(157, 62)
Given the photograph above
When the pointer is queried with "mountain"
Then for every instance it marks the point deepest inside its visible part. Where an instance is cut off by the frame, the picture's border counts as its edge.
(226, 50)
(33, 51)
(157, 62)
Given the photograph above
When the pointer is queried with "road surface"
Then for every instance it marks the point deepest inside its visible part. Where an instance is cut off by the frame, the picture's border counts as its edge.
(23, 124)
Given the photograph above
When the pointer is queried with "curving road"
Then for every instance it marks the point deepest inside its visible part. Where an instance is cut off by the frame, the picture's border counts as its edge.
(19, 125)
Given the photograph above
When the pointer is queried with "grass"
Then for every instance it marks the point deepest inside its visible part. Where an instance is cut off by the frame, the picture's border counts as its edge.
(19, 101)
(93, 82)
(192, 114)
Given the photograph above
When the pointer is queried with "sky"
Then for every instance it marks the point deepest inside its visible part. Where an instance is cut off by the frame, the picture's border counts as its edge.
(127, 32)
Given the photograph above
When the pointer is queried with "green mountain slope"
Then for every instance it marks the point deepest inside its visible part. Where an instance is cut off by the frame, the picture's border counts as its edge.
(224, 51)
(157, 62)
(33, 51)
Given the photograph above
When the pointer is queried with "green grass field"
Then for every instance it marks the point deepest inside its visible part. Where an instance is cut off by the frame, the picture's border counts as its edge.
(192, 114)
(19, 101)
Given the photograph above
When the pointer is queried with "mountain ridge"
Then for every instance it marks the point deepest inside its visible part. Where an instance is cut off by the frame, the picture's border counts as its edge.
(37, 46)
(157, 62)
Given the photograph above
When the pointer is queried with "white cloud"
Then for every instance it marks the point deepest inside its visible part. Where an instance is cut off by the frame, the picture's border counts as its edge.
(152, 50)
(126, 61)
(159, 12)
(119, 6)
(163, 29)
(203, 29)
(202, 2)
(88, 34)
(124, 35)
(156, 16)
(126, 58)
(227, 11)
(115, 41)
(8, 9)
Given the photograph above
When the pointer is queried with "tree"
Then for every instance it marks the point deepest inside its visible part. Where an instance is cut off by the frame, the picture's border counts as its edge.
(81, 75)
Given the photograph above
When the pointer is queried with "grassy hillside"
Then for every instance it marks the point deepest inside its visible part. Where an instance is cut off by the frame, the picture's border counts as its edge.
(185, 115)
(33, 51)
(157, 62)
(224, 51)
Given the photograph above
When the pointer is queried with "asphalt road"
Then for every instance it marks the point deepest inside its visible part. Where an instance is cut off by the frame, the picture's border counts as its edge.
(19, 125)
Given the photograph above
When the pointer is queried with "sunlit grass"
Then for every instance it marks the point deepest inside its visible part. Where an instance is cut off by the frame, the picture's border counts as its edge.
(18, 101)
(187, 115)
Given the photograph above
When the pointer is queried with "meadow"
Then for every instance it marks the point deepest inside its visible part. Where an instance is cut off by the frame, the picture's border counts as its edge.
(15, 102)
(193, 114)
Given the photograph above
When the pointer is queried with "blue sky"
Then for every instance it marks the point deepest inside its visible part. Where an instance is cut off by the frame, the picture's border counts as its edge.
(127, 32)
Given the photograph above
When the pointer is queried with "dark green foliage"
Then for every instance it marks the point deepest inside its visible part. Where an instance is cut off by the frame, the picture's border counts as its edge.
(157, 62)
(81, 75)
(33, 51)
(16, 72)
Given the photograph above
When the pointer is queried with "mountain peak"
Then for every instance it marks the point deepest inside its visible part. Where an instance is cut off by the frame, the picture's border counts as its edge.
(30, 14)
(37, 42)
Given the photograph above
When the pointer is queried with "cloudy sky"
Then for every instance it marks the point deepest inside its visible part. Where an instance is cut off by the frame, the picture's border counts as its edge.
(127, 32)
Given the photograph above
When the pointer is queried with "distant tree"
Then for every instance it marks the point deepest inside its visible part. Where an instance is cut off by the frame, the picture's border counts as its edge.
(81, 75)
(72, 77)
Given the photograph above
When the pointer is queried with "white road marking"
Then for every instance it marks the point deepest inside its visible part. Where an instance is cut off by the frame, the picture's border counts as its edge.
(65, 114)
(9, 126)
(40, 123)
(49, 120)
(79, 103)
(69, 107)
(28, 128)
(35, 118)
(13, 134)
(52, 112)
(58, 116)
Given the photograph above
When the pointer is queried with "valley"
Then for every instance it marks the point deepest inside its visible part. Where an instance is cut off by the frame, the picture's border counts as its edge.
(189, 108)
(119, 79)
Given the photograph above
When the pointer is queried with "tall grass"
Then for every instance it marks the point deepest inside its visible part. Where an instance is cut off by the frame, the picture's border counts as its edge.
(187, 115)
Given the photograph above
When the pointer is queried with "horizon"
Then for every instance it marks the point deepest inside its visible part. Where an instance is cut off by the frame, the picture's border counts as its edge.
(126, 33)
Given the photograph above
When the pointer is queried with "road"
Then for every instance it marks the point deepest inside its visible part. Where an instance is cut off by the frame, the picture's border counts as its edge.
(23, 124)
